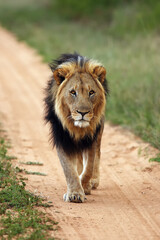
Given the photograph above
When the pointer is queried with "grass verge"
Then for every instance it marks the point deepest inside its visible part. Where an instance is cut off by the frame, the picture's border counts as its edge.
(19, 214)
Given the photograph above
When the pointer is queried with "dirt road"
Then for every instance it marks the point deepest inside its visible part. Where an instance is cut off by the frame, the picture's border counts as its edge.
(127, 203)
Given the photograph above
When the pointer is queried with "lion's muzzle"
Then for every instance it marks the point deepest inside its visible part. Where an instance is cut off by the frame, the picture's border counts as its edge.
(81, 118)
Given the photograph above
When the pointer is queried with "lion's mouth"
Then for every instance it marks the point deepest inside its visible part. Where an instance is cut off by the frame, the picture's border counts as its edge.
(81, 123)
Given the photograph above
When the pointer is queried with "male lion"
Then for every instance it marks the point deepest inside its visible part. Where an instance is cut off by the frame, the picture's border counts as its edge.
(75, 106)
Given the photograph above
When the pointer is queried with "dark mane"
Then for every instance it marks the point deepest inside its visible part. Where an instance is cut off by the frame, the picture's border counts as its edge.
(58, 135)
(66, 57)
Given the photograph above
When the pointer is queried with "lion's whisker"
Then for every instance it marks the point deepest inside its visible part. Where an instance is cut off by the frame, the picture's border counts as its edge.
(69, 117)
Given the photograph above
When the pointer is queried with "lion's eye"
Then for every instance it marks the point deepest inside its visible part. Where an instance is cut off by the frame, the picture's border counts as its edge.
(91, 93)
(73, 92)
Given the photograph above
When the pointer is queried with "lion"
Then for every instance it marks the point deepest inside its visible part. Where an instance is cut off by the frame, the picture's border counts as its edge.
(75, 100)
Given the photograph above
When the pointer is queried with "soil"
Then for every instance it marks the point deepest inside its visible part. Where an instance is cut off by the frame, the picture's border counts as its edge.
(126, 205)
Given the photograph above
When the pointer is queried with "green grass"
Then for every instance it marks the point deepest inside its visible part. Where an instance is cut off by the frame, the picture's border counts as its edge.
(155, 159)
(19, 214)
(124, 36)
(35, 173)
(32, 163)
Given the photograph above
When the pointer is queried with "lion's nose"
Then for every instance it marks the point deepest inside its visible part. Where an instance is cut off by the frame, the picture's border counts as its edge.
(82, 113)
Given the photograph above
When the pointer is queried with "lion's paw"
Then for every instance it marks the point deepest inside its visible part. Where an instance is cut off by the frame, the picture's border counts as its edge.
(95, 183)
(87, 188)
(74, 197)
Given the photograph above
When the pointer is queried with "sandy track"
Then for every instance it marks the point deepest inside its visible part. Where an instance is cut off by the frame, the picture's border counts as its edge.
(127, 203)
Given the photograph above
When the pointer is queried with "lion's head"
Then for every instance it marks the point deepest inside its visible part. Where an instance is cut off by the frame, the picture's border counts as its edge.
(77, 94)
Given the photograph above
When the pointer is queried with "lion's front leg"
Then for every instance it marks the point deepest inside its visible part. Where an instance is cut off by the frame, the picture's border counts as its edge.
(88, 164)
(75, 192)
(96, 174)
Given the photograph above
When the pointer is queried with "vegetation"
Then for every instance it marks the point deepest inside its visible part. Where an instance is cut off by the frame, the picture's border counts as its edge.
(19, 216)
(123, 35)
(32, 163)
(35, 173)
(155, 159)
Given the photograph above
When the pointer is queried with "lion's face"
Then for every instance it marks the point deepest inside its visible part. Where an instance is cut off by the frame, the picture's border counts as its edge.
(81, 96)
(79, 101)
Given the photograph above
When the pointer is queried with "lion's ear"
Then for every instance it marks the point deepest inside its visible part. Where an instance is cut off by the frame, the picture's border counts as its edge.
(59, 75)
(100, 73)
